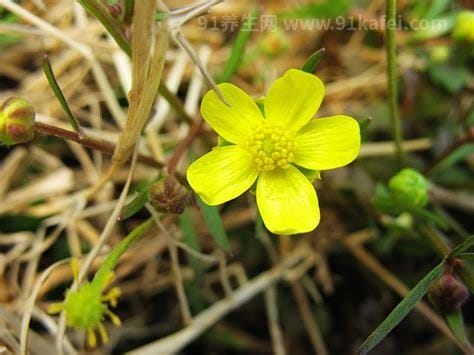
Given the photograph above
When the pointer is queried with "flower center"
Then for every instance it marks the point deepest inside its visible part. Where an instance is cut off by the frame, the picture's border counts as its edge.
(271, 147)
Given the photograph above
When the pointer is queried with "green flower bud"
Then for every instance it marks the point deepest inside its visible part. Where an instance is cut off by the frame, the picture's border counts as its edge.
(169, 196)
(464, 28)
(409, 189)
(447, 294)
(17, 121)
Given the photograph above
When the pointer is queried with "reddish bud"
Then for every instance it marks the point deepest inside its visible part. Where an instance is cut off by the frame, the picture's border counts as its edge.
(17, 121)
(115, 10)
(447, 294)
(169, 196)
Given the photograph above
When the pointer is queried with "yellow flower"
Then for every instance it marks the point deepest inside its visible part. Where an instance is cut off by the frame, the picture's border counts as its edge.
(269, 149)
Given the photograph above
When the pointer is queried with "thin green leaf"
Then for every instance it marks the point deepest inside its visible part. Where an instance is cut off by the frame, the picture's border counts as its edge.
(461, 248)
(456, 324)
(214, 225)
(136, 204)
(53, 83)
(238, 49)
(191, 239)
(139, 201)
(459, 154)
(313, 61)
(401, 310)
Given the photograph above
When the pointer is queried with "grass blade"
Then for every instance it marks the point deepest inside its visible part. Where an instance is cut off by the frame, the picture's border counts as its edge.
(238, 48)
(53, 83)
(401, 310)
(461, 248)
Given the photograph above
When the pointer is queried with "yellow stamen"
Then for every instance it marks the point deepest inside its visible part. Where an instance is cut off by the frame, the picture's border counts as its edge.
(108, 279)
(271, 147)
(103, 333)
(114, 318)
(91, 338)
(55, 308)
(111, 296)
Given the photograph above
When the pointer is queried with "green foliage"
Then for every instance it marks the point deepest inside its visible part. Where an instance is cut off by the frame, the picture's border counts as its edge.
(401, 310)
(456, 156)
(313, 61)
(238, 48)
(139, 201)
(53, 83)
(319, 9)
(214, 224)
(191, 239)
(455, 323)
(452, 77)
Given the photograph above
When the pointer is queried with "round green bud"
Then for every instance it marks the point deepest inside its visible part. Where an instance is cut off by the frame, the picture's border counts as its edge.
(409, 189)
(464, 27)
(84, 307)
(17, 121)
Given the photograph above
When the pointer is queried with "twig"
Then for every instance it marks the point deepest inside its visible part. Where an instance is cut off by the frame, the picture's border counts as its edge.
(183, 145)
(377, 149)
(177, 277)
(177, 341)
(308, 319)
(273, 323)
(104, 147)
(30, 303)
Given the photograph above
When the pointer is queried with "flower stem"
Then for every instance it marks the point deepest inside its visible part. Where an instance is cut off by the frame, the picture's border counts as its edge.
(104, 147)
(111, 261)
(391, 28)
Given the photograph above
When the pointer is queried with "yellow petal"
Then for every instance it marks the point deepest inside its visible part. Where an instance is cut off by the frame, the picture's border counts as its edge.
(294, 99)
(235, 122)
(222, 175)
(327, 143)
(287, 201)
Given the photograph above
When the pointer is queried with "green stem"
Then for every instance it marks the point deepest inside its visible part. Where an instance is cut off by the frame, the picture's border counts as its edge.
(391, 28)
(110, 262)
